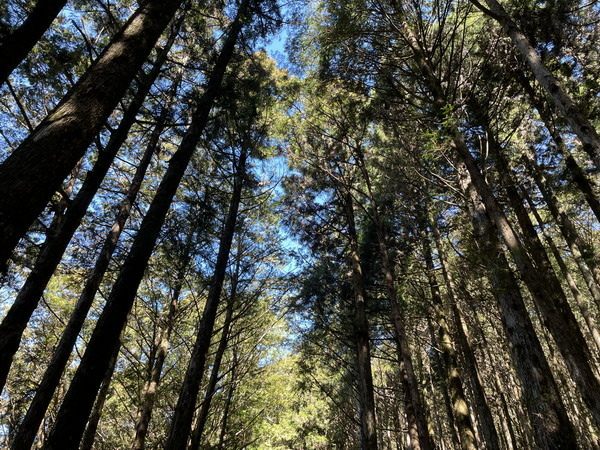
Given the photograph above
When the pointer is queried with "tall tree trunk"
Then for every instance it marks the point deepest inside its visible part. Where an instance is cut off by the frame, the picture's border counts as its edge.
(15, 46)
(149, 391)
(182, 419)
(583, 254)
(216, 366)
(460, 409)
(486, 421)
(228, 399)
(15, 321)
(415, 413)
(30, 176)
(368, 428)
(575, 171)
(565, 105)
(542, 399)
(79, 398)
(581, 303)
(92, 426)
(45, 391)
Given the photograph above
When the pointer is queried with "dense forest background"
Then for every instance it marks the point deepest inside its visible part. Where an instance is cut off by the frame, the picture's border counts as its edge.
(302, 225)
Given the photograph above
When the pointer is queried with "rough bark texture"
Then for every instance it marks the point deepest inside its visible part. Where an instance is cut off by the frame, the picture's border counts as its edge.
(460, 409)
(186, 403)
(15, 47)
(368, 428)
(68, 428)
(543, 401)
(565, 105)
(34, 171)
(15, 321)
(486, 421)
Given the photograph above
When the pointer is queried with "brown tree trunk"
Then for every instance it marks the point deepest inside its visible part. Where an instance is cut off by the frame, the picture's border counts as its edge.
(415, 413)
(368, 429)
(575, 171)
(31, 175)
(15, 321)
(460, 409)
(157, 361)
(486, 421)
(45, 390)
(78, 401)
(15, 46)
(565, 105)
(216, 366)
(182, 419)
(542, 399)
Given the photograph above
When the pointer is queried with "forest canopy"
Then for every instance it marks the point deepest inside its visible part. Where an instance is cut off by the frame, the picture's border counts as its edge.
(299, 225)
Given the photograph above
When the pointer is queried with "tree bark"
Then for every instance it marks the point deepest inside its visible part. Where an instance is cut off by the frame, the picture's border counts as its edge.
(460, 409)
(565, 105)
(182, 419)
(216, 366)
(15, 321)
(486, 421)
(30, 176)
(368, 429)
(79, 399)
(542, 399)
(15, 46)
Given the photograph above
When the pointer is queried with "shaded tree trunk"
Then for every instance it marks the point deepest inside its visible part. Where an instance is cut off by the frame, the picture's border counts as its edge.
(34, 171)
(368, 429)
(460, 409)
(15, 46)
(79, 398)
(45, 391)
(15, 321)
(542, 399)
(486, 421)
(182, 419)
(565, 105)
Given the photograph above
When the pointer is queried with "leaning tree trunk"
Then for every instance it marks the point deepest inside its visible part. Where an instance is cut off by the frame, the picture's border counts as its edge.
(486, 421)
(34, 171)
(79, 399)
(368, 428)
(184, 411)
(216, 366)
(583, 254)
(15, 46)
(92, 426)
(542, 398)
(460, 409)
(414, 409)
(575, 171)
(565, 105)
(15, 321)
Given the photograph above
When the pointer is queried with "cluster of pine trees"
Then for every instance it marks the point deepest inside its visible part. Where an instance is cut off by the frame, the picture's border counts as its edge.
(387, 239)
